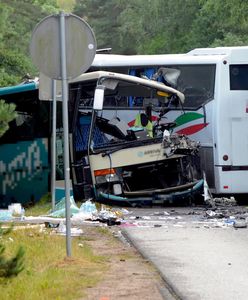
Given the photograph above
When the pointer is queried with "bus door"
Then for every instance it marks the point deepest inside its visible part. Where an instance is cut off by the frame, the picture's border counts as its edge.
(239, 114)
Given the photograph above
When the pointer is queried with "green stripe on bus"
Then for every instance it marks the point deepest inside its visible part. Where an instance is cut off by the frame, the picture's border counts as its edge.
(188, 117)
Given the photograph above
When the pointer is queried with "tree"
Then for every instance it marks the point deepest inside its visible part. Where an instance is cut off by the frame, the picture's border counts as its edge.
(220, 23)
(7, 114)
(103, 17)
(10, 267)
(14, 65)
(138, 27)
(165, 26)
(17, 21)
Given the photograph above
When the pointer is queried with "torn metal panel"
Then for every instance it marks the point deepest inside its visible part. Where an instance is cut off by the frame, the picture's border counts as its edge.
(130, 165)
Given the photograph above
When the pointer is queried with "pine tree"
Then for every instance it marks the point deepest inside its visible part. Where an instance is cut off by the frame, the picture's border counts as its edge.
(10, 267)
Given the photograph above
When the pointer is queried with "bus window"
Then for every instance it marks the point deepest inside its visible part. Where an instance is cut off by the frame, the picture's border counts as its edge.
(238, 77)
(115, 101)
(24, 149)
(31, 123)
(112, 100)
(195, 81)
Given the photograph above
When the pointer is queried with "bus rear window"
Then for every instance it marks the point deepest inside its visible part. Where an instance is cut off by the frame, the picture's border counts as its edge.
(239, 77)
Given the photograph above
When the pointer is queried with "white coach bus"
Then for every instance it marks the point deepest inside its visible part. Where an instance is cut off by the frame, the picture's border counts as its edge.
(215, 111)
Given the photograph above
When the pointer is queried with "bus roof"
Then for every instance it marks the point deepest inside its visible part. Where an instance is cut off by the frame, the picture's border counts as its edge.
(196, 56)
(25, 87)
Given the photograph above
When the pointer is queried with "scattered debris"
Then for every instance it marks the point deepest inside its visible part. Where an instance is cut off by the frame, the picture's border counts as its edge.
(223, 214)
(146, 218)
(110, 217)
(59, 210)
(240, 224)
(214, 202)
(224, 201)
(210, 213)
(208, 198)
(162, 213)
(88, 206)
(15, 211)
(5, 215)
(61, 230)
(51, 225)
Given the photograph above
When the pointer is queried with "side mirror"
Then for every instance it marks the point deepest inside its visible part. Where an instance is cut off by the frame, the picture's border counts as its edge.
(98, 98)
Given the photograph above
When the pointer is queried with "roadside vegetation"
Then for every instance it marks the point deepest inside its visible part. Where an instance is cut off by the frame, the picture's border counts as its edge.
(43, 207)
(7, 114)
(136, 27)
(48, 273)
(9, 265)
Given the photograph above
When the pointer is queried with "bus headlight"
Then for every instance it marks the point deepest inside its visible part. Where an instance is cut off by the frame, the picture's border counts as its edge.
(106, 175)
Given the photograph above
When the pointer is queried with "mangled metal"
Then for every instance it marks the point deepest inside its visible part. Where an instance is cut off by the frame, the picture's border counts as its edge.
(130, 165)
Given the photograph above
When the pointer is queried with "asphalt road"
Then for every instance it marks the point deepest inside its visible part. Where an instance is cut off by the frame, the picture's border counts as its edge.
(200, 257)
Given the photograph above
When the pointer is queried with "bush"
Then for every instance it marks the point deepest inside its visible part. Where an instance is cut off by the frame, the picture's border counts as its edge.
(7, 114)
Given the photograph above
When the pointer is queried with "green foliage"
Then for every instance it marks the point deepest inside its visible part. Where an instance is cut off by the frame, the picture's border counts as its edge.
(5, 231)
(13, 67)
(127, 26)
(17, 21)
(220, 23)
(165, 26)
(103, 17)
(7, 114)
(13, 266)
(132, 27)
(10, 267)
(66, 5)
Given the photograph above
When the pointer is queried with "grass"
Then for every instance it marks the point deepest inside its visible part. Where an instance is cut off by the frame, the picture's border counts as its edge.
(48, 273)
(42, 207)
(38, 210)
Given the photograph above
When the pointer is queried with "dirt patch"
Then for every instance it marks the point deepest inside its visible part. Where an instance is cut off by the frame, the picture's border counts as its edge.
(129, 276)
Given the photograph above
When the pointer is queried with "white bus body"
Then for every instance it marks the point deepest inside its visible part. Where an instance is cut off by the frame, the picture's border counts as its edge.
(215, 83)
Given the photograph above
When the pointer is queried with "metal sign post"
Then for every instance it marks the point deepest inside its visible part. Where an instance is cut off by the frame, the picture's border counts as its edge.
(66, 131)
(53, 154)
(62, 47)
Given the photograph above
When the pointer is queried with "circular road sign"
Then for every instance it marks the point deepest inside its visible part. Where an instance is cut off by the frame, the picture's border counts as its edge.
(80, 46)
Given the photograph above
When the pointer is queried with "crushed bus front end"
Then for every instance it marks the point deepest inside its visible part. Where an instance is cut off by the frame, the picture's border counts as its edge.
(149, 172)
(123, 165)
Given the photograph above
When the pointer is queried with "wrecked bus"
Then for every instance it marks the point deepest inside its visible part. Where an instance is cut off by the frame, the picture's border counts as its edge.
(123, 165)
(25, 147)
(215, 112)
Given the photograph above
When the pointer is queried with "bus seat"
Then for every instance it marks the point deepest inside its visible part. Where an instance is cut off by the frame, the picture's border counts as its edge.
(82, 134)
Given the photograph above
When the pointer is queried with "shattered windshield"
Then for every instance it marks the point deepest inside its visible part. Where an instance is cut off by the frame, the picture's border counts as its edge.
(124, 95)
(196, 82)
(113, 131)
